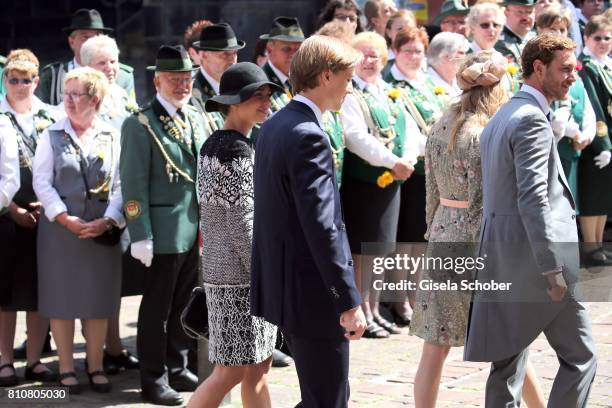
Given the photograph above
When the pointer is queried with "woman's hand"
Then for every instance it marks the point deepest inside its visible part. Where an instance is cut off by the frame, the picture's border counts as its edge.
(94, 228)
(23, 217)
(71, 223)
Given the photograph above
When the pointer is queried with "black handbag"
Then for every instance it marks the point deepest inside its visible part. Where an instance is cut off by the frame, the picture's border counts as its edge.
(194, 317)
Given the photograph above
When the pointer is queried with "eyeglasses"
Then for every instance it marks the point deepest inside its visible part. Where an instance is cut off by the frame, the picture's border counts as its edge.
(486, 26)
(345, 17)
(74, 95)
(371, 58)
(522, 12)
(181, 81)
(600, 38)
(412, 52)
(24, 81)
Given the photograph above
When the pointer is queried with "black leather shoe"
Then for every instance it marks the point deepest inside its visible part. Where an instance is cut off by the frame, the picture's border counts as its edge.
(185, 381)
(280, 359)
(113, 364)
(101, 388)
(44, 376)
(19, 352)
(9, 380)
(72, 389)
(163, 395)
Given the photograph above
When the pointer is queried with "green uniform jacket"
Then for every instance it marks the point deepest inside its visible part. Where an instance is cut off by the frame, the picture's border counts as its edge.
(278, 99)
(594, 183)
(159, 203)
(510, 45)
(51, 86)
(203, 91)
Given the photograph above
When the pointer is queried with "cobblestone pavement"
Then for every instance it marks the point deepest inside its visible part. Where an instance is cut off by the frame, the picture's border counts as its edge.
(381, 375)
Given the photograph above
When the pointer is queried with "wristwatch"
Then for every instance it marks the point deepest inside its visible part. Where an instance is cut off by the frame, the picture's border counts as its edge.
(110, 223)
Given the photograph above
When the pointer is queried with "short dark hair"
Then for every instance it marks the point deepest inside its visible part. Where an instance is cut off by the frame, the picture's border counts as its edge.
(327, 14)
(543, 48)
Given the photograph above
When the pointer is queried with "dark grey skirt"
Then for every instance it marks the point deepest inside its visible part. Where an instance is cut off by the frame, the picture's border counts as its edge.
(77, 278)
(370, 213)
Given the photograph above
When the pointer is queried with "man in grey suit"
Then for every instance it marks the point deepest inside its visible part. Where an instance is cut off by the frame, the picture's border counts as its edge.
(527, 200)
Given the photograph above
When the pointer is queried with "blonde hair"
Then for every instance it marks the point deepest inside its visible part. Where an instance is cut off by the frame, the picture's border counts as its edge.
(372, 39)
(479, 9)
(22, 60)
(93, 82)
(97, 44)
(337, 29)
(480, 101)
(317, 54)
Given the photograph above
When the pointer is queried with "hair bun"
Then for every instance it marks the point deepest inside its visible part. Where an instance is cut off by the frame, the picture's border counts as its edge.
(485, 73)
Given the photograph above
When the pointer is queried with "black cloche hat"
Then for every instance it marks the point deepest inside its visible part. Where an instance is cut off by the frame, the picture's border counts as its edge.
(238, 83)
(285, 29)
(218, 37)
(172, 58)
(85, 19)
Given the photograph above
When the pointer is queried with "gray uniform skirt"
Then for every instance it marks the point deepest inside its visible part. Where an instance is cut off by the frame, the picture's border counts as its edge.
(77, 278)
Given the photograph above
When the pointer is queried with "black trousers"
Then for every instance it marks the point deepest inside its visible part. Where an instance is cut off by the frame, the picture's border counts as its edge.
(322, 366)
(163, 347)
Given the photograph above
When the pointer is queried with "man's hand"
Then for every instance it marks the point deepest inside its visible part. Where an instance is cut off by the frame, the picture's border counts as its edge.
(602, 159)
(22, 217)
(71, 223)
(143, 251)
(402, 170)
(354, 323)
(556, 290)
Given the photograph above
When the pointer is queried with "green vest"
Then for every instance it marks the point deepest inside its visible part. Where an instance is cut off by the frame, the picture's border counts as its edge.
(333, 127)
(2, 63)
(278, 99)
(203, 91)
(598, 85)
(423, 105)
(576, 105)
(158, 170)
(387, 123)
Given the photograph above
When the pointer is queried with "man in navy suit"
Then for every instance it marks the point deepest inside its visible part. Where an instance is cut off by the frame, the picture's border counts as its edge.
(302, 272)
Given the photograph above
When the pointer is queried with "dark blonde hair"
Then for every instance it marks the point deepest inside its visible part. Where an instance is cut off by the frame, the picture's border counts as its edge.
(481, 101)
(93, 82)
(337, 29)
(551, 14)
(596, 23)
(543, 48)
(401, 13)
(22, 60)
(317, 54)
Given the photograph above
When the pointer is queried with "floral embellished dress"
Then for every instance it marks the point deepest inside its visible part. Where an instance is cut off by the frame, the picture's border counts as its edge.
(441, 317)
(225, 185)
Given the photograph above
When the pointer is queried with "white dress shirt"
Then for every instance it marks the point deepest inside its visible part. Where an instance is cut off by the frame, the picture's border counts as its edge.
(26, 120)
(542, 101)
(451, 89)
(9, 162)
(212, 81)
(170, 108)
(43, 170)
(313, 106)
(283, 78)
(363, 144)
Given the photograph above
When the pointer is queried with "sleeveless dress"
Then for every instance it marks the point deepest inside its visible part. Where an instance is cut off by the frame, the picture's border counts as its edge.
(225, 185)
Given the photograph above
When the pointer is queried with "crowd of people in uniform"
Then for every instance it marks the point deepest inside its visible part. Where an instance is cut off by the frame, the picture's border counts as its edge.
(91, 183)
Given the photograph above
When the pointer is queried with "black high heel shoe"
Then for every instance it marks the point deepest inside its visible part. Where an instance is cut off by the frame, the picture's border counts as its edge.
(402, 320)
(102, 388)
(9, 380)
(72, 388)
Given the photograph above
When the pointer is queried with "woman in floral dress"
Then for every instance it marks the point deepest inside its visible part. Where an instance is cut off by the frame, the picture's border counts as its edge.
(453, 212)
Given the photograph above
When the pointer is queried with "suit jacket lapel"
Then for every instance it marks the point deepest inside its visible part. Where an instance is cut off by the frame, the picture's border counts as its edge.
(533, 101)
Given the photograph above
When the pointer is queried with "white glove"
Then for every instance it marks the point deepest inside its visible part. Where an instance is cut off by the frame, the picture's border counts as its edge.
(559, 122)
(572, 129)
(603, 159)
(143, 251)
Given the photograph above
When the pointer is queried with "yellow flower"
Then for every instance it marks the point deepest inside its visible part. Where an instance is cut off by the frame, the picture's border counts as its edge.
(385, 179)
(512, 69)
(43, 124)
(438, 90)
(394, 93)
(101, 155)
(131, 107)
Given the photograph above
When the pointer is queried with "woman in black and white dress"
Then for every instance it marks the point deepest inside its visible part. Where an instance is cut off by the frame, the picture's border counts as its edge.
(240, 345)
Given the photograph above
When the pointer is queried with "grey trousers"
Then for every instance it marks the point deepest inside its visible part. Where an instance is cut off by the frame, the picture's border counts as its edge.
(569, 334)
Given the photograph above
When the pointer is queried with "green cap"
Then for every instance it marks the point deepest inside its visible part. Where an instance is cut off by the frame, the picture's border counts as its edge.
(450, 8)
(285, 29)
(172, 58)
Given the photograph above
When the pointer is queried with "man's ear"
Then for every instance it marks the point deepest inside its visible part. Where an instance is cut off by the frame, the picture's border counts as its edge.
(325, 76)
(538, 67)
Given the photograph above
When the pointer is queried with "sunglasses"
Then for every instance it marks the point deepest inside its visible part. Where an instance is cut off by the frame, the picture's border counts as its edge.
(486, 26)
(24, 81)
(600, 38)
(345, 17)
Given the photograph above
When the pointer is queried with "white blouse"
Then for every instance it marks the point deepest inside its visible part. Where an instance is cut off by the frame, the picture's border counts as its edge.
(43, 171)
(9, 162)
